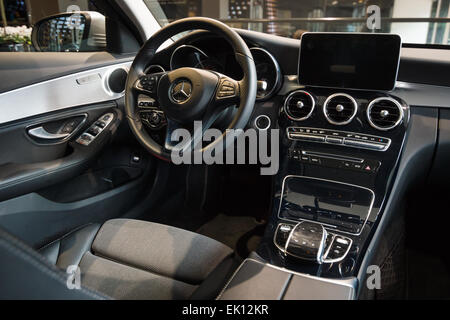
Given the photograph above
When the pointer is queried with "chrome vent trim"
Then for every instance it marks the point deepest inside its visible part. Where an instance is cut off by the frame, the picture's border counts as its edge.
(107, 77)
(331, 98)
(292, 96)
(375, 123)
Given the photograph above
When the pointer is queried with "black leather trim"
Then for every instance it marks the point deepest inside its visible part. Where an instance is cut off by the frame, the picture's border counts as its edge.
(69, 249)
(25, 274)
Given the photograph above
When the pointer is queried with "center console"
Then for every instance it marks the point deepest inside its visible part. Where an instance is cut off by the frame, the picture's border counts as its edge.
(339, 153)
(341, 137)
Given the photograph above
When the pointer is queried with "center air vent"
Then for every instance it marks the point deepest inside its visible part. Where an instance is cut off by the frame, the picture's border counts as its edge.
(299, 105)
(340, 109)
(384, 113)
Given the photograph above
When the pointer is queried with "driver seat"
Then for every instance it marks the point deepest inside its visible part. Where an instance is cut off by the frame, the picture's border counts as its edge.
(122, 259)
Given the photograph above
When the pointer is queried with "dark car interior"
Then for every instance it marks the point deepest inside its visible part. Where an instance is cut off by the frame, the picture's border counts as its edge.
(86, 177)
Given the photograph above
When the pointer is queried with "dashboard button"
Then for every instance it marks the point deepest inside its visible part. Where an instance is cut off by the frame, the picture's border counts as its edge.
(307, 137)
(364, 144)
(100, 124)
(305, 158)
(315, 160)
(334, 140)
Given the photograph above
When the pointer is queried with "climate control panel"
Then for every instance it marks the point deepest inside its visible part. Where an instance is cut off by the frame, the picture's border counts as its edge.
(339, 138)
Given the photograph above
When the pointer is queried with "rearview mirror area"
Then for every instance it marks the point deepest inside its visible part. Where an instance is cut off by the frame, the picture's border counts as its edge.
(81, 31)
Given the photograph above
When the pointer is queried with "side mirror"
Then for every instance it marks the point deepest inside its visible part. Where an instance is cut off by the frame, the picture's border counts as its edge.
(70, 32)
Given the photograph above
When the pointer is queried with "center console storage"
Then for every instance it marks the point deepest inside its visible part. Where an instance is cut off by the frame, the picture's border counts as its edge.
(255, 280)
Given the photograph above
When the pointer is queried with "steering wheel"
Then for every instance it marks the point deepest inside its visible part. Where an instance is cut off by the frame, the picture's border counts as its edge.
(186, 95)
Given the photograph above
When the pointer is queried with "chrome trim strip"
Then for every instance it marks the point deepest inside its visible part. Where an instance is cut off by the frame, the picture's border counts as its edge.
(41, 133)
(283, 250)
(82, 88)
(259, 117)
(106, 79)
(325, 260)
(290, 96)
(327, 225)
(31, 127)
(397, 104)
(332, 156)
(355, 104)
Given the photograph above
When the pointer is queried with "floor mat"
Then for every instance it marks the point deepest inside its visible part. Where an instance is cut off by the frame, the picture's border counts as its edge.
(230, 229)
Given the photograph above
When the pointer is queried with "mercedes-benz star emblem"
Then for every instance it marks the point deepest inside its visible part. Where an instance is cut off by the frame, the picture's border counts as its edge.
(181, 91)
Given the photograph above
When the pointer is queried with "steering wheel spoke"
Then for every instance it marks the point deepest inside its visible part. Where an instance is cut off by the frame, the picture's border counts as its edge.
(196, 132)
(186, 95)
(147, 84)
(227, 93)
(170, 145)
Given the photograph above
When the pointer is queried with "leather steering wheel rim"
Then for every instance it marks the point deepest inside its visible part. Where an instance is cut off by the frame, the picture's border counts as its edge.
(247, 86)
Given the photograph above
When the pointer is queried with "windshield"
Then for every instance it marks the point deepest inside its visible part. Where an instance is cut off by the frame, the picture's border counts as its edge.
(416, 21)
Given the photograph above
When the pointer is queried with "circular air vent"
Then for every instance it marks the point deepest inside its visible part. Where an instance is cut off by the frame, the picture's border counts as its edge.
(116, 80)
(384, 113)
(299, 105)
(340, 109)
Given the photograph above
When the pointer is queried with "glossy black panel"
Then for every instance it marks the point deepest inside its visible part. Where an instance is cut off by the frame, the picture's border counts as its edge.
(342, 206)
(349, 60)
(341, 164)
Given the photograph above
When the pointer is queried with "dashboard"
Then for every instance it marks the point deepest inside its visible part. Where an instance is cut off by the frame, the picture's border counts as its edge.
(216, 55)
(342, 143)
(223, 61)
(339, 142)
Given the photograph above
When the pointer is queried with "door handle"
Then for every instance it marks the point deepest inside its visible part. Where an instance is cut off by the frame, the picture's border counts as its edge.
(41, 133)
(63, 129)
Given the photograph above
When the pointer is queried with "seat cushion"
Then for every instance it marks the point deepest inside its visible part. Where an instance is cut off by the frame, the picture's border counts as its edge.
(163, 250)
(124, 282)
(130, 259)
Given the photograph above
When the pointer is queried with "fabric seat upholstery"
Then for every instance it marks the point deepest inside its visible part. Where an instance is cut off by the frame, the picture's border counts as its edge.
(132, 259)
(124, 259)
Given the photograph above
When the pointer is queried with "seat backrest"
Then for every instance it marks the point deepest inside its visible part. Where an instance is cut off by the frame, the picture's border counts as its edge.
(26, 274)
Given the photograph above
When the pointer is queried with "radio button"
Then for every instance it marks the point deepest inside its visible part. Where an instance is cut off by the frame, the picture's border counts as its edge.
(307, 137)
(364, 144)
(304, 158)
(334, 140)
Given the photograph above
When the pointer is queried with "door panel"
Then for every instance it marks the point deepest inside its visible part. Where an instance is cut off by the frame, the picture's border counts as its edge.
(20, 175)
(51, 182)
(24, 68)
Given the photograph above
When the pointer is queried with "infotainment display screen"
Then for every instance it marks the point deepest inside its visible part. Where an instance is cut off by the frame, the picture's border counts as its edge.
(349, 60)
